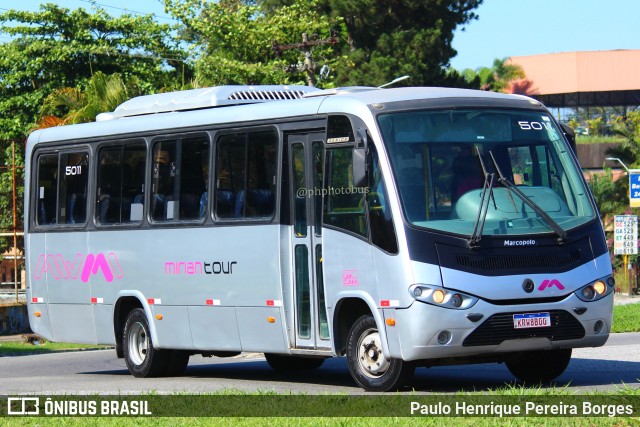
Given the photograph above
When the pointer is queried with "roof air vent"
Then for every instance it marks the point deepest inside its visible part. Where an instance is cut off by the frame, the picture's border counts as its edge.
(195, 99)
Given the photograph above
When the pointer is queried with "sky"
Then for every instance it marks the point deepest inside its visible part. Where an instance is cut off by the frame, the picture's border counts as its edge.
(507, 28)
(504, 28)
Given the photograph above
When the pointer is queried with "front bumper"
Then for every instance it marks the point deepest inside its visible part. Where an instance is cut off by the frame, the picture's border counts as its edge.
(424, 331)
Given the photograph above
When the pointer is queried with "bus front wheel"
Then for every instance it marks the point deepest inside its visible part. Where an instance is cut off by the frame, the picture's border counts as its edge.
(539, 366)
(142, 359)
(368, 365)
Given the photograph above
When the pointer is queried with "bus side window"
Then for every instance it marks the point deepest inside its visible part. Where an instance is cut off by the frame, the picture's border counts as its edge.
(383, 233)
(47, 189)
(179, 177)
(194, 178)
(261, 174)
(72, 188)
(163, 180)
(133, 176)
(344, 205)
(230, 174)
(246, 175)
(120, 183)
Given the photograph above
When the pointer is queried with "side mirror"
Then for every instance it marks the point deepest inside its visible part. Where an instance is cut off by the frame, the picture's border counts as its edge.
(571, 136)
(359, 158)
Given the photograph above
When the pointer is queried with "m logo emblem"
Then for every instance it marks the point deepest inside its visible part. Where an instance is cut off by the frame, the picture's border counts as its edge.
(549, 283)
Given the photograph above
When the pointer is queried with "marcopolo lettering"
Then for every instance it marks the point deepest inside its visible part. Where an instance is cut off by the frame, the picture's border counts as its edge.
(529, 242)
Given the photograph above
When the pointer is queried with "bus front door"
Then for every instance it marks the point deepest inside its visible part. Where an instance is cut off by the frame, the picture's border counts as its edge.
(306, 157)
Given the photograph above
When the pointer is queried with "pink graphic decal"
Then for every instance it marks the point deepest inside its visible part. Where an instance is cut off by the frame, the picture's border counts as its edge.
(549, 283)
(350, 278)
(115, 265)
(91, 266)
(82, 267)
(73, 268)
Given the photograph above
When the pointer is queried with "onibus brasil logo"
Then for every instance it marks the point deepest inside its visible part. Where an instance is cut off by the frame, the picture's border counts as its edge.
(82, 267)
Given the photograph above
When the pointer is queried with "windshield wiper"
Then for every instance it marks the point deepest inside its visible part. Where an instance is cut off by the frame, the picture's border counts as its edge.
(562, 235)
(485, 197)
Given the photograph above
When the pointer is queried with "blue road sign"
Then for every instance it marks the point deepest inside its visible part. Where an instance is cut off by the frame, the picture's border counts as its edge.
(634, 189)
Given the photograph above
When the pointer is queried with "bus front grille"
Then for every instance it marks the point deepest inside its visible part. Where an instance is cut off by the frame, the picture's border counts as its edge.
(529, 262)
(499, 328)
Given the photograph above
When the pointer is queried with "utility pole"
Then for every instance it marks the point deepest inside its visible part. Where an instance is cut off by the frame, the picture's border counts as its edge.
(306, 46)
(15, 220)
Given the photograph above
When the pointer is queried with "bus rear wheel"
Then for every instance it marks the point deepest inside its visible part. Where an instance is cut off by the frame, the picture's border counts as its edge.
(536, 367)
(178, 361)
(142, 359)
(368, 365)
(281, 362)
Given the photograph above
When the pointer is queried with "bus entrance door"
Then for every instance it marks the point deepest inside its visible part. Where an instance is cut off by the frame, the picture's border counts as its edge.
(306, 157)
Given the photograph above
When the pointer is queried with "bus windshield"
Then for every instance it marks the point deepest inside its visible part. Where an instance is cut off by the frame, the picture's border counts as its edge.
(508, 171)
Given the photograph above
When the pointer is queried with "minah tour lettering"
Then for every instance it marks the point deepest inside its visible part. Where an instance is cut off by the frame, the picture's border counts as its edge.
(191, 268)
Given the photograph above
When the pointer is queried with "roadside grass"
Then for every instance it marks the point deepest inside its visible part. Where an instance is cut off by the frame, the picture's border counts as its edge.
(595, 139)
(626, 318)
(18, 348)
(327, 421)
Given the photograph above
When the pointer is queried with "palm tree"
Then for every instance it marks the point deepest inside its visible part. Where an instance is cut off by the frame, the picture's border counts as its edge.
(522, 87)
(497, 78)
(73, 105)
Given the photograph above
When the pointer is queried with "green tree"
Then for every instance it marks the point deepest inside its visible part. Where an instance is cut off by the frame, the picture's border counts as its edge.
(233, 40)
(386, 39)
(75, 105)
(595, 126)
(628, 127)
(499, 78)
(611, 197)
(55, 48)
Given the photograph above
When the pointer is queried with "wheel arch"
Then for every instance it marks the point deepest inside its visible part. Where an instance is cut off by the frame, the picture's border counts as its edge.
(349, 308)
(126, 302)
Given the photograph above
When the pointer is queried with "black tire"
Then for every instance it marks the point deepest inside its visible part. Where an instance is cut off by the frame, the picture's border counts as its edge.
(178, 361)
(281, 362)
(119, 351)
(369, 367)
(537, 367)
(142, 359)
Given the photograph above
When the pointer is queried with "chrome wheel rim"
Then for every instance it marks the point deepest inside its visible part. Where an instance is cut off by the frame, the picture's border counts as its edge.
(371, 359)
(138, 343)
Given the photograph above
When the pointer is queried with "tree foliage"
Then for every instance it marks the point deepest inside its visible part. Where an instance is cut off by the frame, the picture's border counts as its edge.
(388, 39)
(501, 77)
(233, 40)
(55, 48)
(612, 197)
(628, 127)
(71, 105)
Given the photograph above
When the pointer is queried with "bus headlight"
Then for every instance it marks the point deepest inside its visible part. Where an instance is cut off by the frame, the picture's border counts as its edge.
(597, 290)
(441, 297)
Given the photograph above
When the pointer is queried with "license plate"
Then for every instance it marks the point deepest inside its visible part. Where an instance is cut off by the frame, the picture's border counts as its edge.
(531, 320)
